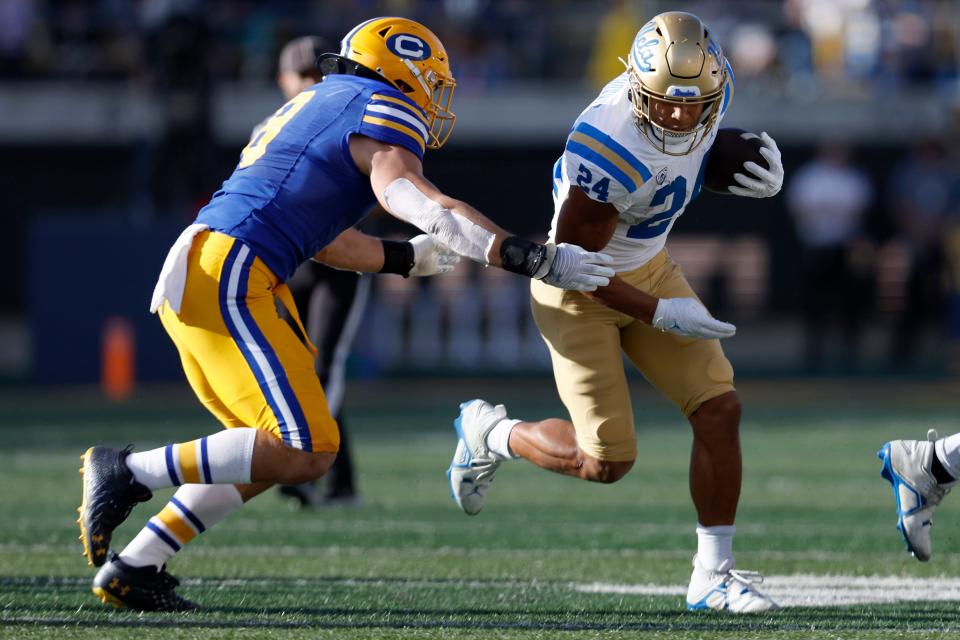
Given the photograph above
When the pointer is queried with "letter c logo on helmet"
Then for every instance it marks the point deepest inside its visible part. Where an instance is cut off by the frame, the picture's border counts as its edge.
(408, 46)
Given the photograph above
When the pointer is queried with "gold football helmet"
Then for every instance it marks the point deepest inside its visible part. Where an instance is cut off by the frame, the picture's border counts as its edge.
(675, 59)
(411, 58)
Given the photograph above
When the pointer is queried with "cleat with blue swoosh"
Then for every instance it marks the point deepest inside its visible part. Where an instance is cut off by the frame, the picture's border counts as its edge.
(473, 466)
(907, 467)
(727, 589)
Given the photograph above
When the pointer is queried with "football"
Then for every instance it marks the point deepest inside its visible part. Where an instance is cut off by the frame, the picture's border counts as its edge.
(730, 150)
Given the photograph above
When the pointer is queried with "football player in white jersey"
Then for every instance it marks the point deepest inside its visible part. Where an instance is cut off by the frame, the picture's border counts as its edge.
(633, 161)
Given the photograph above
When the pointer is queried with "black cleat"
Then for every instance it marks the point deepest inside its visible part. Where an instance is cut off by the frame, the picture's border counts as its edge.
(109, 494)
(139, 588)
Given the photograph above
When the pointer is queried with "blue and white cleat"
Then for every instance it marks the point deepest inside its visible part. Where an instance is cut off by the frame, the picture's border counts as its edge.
(906, 466)
(727, 590)
(473, 466)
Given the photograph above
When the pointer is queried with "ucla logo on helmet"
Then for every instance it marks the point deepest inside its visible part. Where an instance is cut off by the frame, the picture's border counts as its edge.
(408, 46)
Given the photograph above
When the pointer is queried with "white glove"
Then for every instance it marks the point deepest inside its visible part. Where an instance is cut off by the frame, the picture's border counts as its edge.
(767, 181)
(688, 318)
(430, 257)
(568, 266)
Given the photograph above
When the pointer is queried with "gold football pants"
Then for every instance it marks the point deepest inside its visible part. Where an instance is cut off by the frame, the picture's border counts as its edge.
(245, 363)
(587, 341)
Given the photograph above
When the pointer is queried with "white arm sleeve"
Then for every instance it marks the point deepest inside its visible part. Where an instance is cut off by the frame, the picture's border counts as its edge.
(408, 203)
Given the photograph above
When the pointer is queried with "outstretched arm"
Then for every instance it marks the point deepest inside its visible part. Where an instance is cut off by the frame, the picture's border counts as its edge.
(397, 179)
(354, 250)
(591, 224)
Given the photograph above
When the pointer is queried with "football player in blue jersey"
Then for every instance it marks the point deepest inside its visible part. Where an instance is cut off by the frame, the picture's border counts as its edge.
(312, 172)
(331, 303)
(633, 161)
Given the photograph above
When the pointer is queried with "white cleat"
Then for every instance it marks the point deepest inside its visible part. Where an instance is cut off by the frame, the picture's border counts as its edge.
(906, 466)
(727, 590)
(473, 466)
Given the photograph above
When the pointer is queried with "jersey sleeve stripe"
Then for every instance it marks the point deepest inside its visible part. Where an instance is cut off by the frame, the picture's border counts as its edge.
(375, 109)
(403, 103)
(557, 174)
(396, 126)
(592, 151)
(617, 148)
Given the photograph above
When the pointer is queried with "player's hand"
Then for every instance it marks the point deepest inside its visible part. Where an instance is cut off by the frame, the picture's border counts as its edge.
(431, 257)
(764, 182)
(575, 268)
(688, 318)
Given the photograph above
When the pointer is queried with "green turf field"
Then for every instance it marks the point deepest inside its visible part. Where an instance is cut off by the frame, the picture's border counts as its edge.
(548, 557)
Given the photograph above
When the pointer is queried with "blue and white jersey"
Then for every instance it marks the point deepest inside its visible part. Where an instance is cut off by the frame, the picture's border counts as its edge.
(296, 186)
(608, 157)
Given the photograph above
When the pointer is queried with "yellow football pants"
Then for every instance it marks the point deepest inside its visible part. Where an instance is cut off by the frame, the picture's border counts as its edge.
(244, 362)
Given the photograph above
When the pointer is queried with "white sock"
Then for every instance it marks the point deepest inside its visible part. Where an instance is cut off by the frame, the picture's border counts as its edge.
(223, 458)
(948, 451)
(715, 546)
(193, 509)
(498, 440)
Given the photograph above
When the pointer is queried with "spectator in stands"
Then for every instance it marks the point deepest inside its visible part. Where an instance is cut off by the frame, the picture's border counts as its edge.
(828, 199)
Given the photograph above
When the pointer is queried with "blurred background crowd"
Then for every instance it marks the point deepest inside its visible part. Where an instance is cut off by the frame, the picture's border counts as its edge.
(119, 118)
(793, 45)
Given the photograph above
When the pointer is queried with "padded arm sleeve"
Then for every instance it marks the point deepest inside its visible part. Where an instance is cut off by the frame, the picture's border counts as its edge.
(408, 203)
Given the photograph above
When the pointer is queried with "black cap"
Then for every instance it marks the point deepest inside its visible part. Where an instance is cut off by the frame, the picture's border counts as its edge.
(300, 55)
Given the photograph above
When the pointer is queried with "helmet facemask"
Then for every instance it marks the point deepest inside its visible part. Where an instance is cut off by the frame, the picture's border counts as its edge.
(672, 141)
(440, 119)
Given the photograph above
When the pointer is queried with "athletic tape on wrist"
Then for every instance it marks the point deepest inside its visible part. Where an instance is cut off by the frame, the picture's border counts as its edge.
(398, 257)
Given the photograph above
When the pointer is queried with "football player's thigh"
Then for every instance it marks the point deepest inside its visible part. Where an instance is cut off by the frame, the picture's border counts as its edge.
(195, 375)
(297, 379)
(584, 345)
(263, 373)
(686, 370)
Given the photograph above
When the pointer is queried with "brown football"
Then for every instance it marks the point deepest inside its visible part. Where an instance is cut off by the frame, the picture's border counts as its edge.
(730, 150)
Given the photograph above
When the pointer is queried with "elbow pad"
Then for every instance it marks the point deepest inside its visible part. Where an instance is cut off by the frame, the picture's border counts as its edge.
(408, 203)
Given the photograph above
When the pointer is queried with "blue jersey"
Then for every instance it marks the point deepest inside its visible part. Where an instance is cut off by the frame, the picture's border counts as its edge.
(296, 188)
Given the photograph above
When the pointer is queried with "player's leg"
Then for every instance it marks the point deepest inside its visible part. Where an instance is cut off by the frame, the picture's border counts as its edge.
(598, 444)
(349, 292)
(332, 302)
(137, 577)
(921, 474)
(698, 378)
(250, 362)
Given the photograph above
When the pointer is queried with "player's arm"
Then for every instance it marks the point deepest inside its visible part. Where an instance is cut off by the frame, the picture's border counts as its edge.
(591, 224)
(354, 250)
(396, 176)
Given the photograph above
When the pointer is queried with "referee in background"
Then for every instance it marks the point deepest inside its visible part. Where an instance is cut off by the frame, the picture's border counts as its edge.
(330, 302)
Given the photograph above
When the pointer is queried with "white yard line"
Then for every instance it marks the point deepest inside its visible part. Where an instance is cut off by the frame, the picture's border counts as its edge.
(804, 590)
(799, 590)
